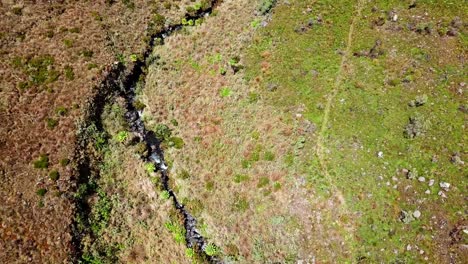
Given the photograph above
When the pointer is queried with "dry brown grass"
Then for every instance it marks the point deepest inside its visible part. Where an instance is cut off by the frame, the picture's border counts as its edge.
(251, 221)
(64, 30)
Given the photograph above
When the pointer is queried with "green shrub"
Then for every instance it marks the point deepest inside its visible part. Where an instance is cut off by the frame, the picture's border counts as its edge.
(265, 6)
(122, 136)
(177, 231)
(176, 142)
(269, 156)
(51, 123)
(68, 43)
(87, 53)
(241, 178)
(189, 253)
(276, 186)
(42, 162)
(165, 195)
(54, 175)
(209, 185)
(162, 132)
(64, 162)
(225, 92)
(211, 250)
(263, 181)
(41, 192)
(241, 204)
(61, 111)
(150, 167)
(69, 74)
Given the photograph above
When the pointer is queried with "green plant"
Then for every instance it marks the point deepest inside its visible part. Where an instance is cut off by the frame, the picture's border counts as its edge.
(69, 74)
(54, 175)
(165, 195)
(42, 162)
(189, 252)
(133, 58)
(211, 250)
(265, 6)
(100, 213)
(225, 92)
(41, 192)
(68, 43)
(241, 178)
(64, 162)
(177, 231)
(61, 111)
(263, 181)
(87, 53)
(276, 186)
(269, 156)
(209, 185)
(92, 66)
(162, 132)
(176, 142)
(150, 167)
(51, 123)
(122, 136)
(74, 30)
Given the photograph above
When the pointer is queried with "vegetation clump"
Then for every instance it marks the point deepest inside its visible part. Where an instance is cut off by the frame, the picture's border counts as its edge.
(42, 162)
(54, 175)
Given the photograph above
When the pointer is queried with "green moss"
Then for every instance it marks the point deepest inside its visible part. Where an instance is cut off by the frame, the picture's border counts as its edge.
(225, 92)
(209, 186)
(165, 195)
(211, 250)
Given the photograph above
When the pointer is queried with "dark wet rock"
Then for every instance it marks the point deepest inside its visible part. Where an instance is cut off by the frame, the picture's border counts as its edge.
(412, 5)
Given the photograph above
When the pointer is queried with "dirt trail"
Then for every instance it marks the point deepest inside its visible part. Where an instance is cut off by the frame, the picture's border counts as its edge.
(320, 148)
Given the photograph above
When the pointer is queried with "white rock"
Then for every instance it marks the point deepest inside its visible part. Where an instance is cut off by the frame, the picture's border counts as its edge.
(421, 179)
(395, 18)
(441, 193)
(444, 185)
(380, 154)
(421, 251)
(408, 247)
(427, 191)
(431, 182)
(417, 214)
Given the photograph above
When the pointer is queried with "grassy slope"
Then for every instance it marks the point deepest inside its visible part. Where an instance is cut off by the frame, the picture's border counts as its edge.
(279, 161)
(368, 115)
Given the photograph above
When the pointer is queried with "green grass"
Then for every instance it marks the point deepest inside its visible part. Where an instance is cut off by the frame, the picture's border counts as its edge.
(369, 114)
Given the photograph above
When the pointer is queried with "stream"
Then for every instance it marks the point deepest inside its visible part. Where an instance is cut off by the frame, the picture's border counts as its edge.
(121, 81)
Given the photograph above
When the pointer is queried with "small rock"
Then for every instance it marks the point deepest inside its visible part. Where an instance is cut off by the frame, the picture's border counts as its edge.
(421, 252)
(456, 159)
(380, 154)
(408, 247)
(444, 185)
(427, 191)
(421, 179)
(442, 194)
(417, 214)
(431, 182)
(272, 87)
(453, 32)
(457, 22)
(434, 159)
(406, 217)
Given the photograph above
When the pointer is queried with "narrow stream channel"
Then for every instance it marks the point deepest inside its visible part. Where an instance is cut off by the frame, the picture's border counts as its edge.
(122, 81)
